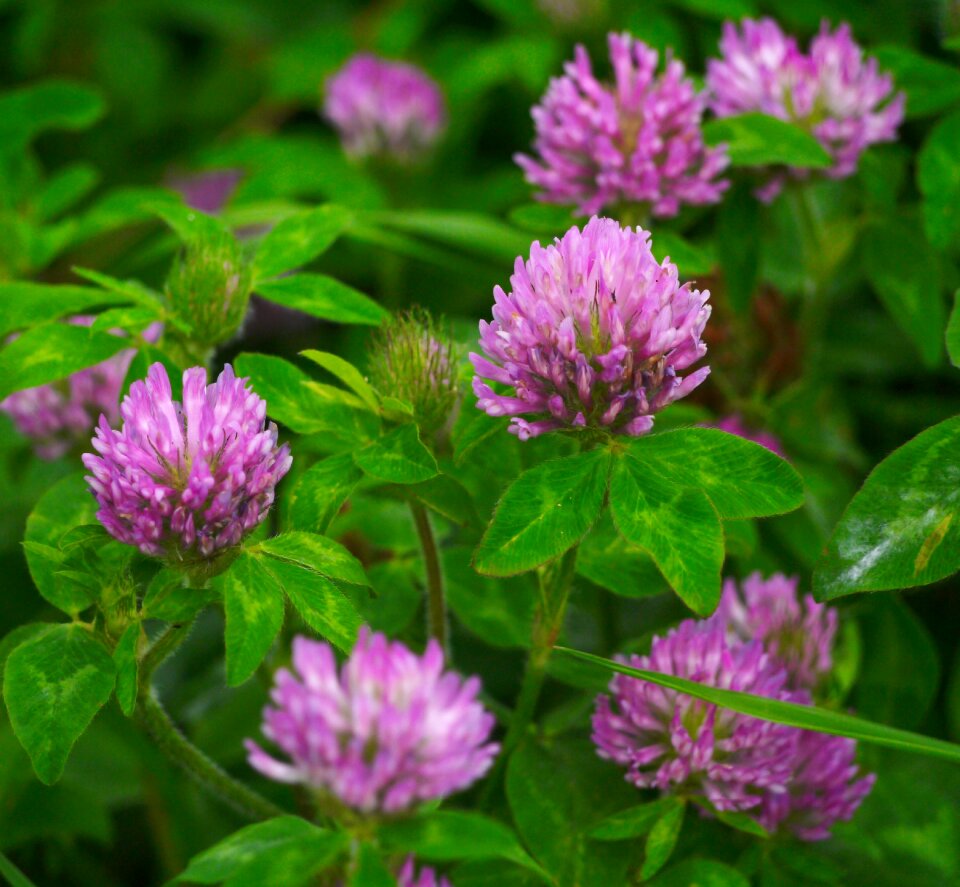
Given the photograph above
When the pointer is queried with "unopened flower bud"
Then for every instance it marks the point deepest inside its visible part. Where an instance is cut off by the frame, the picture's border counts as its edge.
(209, 288)
(413, 360)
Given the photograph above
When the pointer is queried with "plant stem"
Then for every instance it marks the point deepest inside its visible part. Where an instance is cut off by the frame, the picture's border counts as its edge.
(548, 621)
(168, 641)
(197, 765)
(436, 604)
(154, 719)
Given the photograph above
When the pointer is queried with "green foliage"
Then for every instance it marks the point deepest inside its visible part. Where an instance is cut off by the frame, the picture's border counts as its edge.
(51, 351)
(545, 512)
(758, 139)
(53, 685)
(286, 851)
(398, 457)
(899, 530)
(449, 835)
(323, 297)
(299, 239)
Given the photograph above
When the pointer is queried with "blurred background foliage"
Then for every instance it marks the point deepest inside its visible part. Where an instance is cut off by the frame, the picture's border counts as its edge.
(159, 91)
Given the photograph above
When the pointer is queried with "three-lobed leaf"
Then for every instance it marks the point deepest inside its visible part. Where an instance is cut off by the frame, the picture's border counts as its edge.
(321, 491)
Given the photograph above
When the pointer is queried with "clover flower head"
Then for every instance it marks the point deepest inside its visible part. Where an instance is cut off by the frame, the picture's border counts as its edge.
(386, 108)
(389, 731)
(797, 632)
(827, 787)
(672, 742)
(636, 140)
(185, 481)
(831, 90)
(594, 334)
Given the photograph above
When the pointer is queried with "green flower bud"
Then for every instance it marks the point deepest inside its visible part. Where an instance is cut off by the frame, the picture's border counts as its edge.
(413, 359)
(209, 287)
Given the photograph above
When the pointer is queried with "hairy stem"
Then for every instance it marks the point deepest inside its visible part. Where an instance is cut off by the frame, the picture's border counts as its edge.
(436, 603)
(207, 773)
(153, 718)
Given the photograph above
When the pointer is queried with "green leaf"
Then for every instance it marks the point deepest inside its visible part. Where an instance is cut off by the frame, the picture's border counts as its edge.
(938, 178)
(299, 239)
(282, 852)
(662, 839)
(448, 835)
(167, 598)
(447, 497)
(253, 601)
(613, 563)
(67, 504)
(53, 351)
(311, 570)
(792, 714)
(25, 304)
(556, 793)
(63, 190)
(15, 878)
(347, 373)
(471, 232)
(543, 513)
(316, 553)
(634, 822)
(125, 661)
(953, 331)
(931, 86)
(760, 140)
(678, 527)
(53, 685)
(323, 297)
(370, 869)
(51, 104)
(742, 822)
(900, 669)
(543, 219)
(901, 268)
(398, 457)
(703, 873)
(902, 528)
(321, 491)
(741, 478)
(499, 611)
(293, 400)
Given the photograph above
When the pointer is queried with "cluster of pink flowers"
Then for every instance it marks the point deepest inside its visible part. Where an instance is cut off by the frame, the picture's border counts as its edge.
(186, 481)
(635, 141)
(389, 731)
(594, 334)
(767, 643)
(384, 108)
(831, 90)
